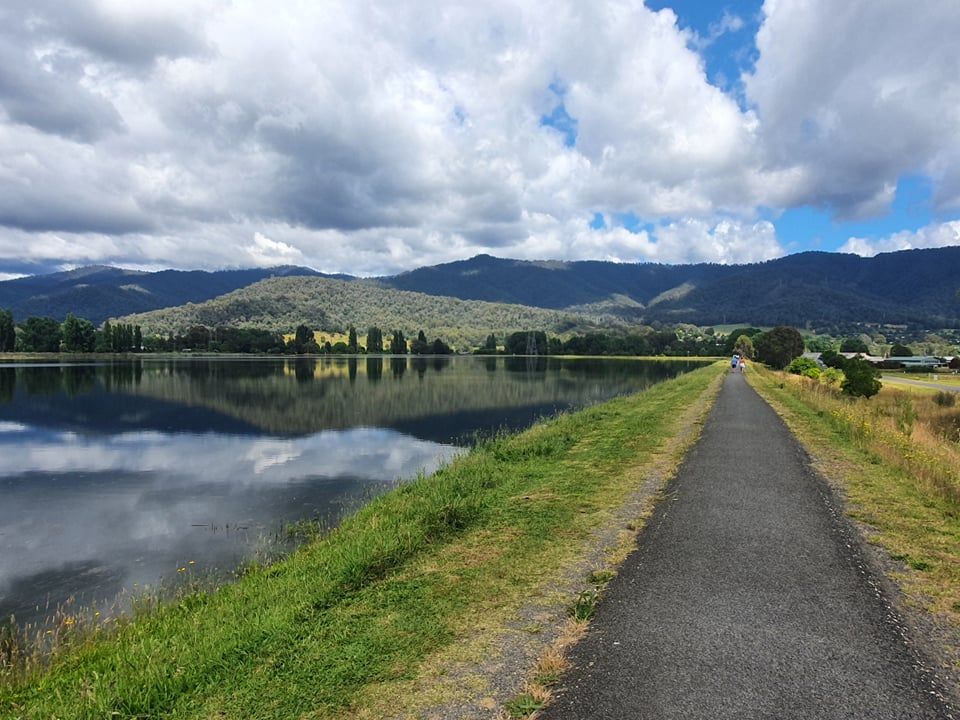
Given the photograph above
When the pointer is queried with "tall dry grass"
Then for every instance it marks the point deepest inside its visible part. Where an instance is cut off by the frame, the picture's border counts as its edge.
(920, 434)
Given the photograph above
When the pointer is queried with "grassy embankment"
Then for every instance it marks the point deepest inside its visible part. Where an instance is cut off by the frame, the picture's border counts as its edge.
(896, 458)
(349, 619)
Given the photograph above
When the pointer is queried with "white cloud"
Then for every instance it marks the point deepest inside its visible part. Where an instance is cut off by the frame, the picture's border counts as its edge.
(931, 236)
(172, 134)
(265, 252)
(852, 96)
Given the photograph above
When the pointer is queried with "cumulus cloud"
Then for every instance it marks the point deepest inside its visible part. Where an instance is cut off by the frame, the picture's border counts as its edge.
(211, 134)
(931, 236)
(851, 96)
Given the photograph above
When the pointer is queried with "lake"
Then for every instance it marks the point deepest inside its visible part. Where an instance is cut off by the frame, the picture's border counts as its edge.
(118, 478)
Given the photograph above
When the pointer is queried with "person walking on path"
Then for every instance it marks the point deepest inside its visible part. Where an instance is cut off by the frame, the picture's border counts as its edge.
(747, 597)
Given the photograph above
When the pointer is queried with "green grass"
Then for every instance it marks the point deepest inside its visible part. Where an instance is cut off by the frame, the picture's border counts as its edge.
(410, 574)
(916, 520)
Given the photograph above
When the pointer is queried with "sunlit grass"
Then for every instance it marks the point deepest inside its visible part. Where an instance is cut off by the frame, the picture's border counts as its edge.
(897, 457)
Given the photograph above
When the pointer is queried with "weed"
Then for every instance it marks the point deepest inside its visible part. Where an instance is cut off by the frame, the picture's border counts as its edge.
(523, 705)
(585, 605)
(601, 577)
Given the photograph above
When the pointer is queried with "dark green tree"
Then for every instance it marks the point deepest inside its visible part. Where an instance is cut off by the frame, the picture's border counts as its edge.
(352, 340)
(420, 346)
(899, 350)
(39, 334)
(137, 338)
(862, 379)
(779, 346)
(750, 332)
(102, 338)
(398, 344)
(79, 334)
(8, 331)
(439, 347)
(197, 338)
(490, 344)
(304, 341)
(853, 345)
(374, 340)
(532, 342)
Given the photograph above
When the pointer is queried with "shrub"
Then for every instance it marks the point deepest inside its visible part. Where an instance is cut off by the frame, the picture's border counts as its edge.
(862, 379)
(832, 376)
(945, 399)
(803, 366)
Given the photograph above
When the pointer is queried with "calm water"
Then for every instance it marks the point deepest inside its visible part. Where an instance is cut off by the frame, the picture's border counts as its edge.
(114, 475)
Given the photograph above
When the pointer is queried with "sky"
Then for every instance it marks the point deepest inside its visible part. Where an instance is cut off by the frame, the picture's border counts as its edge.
(375, 137)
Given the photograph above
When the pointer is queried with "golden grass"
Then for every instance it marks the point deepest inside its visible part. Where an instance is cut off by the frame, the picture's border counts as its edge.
(896, 460)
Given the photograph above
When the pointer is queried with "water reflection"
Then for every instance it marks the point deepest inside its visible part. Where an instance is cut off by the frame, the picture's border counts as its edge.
(119, 473)
(99, 513)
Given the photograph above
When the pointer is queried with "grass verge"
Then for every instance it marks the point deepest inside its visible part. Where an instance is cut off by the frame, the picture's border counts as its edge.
(896, 460)
(405, 577)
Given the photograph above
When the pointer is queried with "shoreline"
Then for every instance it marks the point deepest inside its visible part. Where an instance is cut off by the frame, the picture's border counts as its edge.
(456, 547)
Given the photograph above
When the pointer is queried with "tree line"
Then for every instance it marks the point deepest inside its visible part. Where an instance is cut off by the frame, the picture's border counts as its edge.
(44, 334)
(73, 335)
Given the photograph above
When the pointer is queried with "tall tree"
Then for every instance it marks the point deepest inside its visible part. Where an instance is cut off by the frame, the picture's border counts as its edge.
(304, 341)
(78, 334)
(420, 346)
(398, 344)
(744, 346)
(374, 340)
(40, 334)
(779, 346)
(352, 339)
(8, 331)
(853, 345)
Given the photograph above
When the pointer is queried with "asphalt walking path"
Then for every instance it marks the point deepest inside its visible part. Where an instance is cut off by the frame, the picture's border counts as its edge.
(746, 598)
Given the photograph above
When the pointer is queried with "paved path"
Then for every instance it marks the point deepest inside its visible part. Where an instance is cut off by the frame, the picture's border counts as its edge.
(932, 385)
(745, 599)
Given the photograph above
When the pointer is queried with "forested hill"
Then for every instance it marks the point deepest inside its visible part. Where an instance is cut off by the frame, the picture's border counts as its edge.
(911, 286)
(281, 304)
(99, 292)
(815, 288)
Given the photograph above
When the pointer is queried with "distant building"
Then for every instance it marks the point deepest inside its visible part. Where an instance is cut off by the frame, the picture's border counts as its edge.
(866, 356)
(914, 361)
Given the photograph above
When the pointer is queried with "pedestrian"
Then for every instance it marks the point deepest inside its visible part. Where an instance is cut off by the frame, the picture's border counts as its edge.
(743, 364)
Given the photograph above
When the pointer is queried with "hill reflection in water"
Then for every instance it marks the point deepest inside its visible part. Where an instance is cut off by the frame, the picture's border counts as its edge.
(117, 474)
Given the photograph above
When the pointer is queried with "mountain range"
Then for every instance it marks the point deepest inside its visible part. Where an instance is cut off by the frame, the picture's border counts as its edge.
(917, 287)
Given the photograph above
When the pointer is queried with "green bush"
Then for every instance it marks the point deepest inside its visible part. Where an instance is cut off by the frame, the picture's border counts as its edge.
(832, 376)
(802, 366)
(862, 379)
